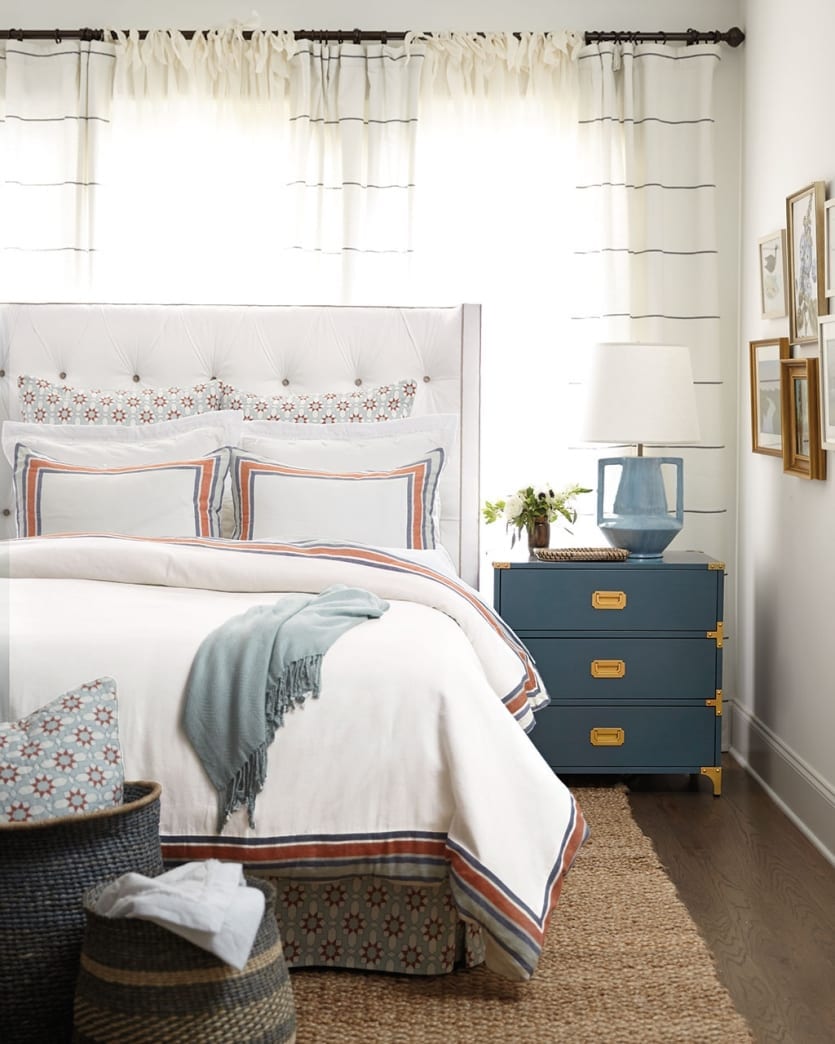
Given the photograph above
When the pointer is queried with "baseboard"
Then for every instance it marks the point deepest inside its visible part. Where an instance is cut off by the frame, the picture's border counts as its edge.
(794, 786)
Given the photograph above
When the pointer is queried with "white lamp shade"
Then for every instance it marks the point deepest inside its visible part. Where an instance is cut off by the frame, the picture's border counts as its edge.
(640, 393)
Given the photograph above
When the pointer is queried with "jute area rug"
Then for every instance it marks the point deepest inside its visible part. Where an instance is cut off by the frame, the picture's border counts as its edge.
(623, 964)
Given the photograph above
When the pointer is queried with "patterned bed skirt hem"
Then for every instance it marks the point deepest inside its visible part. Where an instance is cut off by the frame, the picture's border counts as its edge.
(372, 924)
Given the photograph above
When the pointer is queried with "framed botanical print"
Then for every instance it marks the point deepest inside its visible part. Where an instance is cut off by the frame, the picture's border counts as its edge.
(772, 265)
(829, 248)
(805, 253)
(802, 451)
(766, 420)
(826, 379)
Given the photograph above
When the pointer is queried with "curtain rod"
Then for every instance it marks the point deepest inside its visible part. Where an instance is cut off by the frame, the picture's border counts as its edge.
(733, 37)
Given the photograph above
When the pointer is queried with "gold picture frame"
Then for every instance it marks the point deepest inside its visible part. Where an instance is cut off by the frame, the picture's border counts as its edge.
(766, 410)
(771, 253)
(803, 454)
(806, 261)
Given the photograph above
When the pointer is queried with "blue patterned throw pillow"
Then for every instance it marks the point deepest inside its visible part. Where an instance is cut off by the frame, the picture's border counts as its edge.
(64, 758)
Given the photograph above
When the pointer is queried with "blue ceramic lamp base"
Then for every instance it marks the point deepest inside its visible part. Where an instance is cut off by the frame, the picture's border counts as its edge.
(640, 520)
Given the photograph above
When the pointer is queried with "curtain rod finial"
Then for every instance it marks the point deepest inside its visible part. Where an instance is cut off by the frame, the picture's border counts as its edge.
(735, 36)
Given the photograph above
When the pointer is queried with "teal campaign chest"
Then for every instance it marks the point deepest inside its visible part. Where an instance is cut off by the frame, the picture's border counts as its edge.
(631, 655)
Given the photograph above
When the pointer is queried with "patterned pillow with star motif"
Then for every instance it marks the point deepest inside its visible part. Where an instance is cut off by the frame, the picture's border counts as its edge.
(63, 759)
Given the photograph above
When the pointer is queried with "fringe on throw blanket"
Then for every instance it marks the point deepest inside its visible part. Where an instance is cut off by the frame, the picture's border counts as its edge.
(301, 679)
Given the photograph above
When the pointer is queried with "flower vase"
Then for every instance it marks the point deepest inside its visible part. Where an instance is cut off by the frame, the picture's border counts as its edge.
(539, 533)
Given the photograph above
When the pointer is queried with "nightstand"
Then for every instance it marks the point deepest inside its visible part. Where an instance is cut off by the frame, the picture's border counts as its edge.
(631, 655)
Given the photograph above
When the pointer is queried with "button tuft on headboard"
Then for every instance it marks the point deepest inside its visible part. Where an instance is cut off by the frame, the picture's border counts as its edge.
(2, 373)
(6, 512)
(358, 381)
(62, 375)
(285, 382)
(136, 378)
(427, 379)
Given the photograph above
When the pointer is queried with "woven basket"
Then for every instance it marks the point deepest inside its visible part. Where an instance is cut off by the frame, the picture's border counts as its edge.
(140, 982)
(45, 869)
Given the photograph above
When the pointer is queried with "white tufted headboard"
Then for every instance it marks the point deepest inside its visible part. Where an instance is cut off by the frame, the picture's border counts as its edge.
(265, 349)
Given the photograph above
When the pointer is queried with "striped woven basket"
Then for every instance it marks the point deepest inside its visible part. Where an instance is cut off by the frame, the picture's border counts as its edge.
(141, 983)
(45, 869)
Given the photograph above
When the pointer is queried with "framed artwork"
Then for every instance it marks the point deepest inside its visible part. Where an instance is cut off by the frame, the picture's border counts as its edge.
(766, 419)
(829, 248)
(803, 454)
(826, 379)
(805, 234)
(772, 261)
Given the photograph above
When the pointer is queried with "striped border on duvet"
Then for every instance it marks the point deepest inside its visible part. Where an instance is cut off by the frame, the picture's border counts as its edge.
(417, 857)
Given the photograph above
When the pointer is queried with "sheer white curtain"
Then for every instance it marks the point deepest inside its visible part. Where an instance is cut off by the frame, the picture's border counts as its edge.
(261, 170)
(54, 119)
(646, 264)
(496, 173)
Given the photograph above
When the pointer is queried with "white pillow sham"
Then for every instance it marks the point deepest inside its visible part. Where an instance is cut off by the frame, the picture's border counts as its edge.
(353, 447)
(115, 445)
(389, 508)
(350, 447)
(179, 498)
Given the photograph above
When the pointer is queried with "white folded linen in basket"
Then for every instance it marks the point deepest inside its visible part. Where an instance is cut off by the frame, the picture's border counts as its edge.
(208, 903)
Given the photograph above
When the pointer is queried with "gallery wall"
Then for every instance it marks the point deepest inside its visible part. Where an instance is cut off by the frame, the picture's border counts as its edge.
(785, 713)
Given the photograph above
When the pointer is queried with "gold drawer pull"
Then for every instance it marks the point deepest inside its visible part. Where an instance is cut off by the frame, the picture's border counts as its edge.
(607, 737)
(608, 668)
(608, 600)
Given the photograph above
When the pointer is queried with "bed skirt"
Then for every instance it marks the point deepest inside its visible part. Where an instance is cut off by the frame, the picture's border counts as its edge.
(373, 924)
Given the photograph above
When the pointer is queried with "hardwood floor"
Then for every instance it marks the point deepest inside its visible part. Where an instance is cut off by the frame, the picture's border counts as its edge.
(760, 892)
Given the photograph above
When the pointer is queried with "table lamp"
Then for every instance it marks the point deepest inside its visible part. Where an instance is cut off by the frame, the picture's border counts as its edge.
(642, 394)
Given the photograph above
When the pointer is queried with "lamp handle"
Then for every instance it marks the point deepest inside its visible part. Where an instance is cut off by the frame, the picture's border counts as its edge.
(676, 462)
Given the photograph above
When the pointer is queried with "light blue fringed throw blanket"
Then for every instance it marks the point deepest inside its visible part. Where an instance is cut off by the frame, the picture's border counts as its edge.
(249, 671)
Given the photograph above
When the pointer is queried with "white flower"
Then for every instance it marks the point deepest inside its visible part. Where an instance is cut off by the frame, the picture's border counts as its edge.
(513, 507)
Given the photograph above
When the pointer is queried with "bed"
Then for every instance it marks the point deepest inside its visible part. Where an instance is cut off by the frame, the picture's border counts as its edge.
(170, 468)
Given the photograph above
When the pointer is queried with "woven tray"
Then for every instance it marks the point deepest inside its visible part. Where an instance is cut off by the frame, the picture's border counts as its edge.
(581, 554)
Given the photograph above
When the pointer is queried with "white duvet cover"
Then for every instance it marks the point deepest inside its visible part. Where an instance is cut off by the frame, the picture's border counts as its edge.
(413, 763)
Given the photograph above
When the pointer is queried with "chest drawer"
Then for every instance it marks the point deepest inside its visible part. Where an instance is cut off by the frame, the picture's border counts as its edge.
(617, 598)
(611, 668)
(601, 737)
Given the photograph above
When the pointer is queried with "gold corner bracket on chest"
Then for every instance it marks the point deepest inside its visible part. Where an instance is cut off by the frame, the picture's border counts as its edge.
(716, 565)
(716, 703)
(501, 565)
(714, 774)
(718, 634)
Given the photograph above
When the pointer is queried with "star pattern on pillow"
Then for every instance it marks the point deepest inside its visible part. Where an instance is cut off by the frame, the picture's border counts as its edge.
(64, 758)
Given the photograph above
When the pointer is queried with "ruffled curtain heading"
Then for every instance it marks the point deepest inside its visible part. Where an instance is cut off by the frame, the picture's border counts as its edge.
(228, 63)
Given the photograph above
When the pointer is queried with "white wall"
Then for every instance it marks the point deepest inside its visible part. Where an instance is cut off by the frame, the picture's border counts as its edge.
(785, 719)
